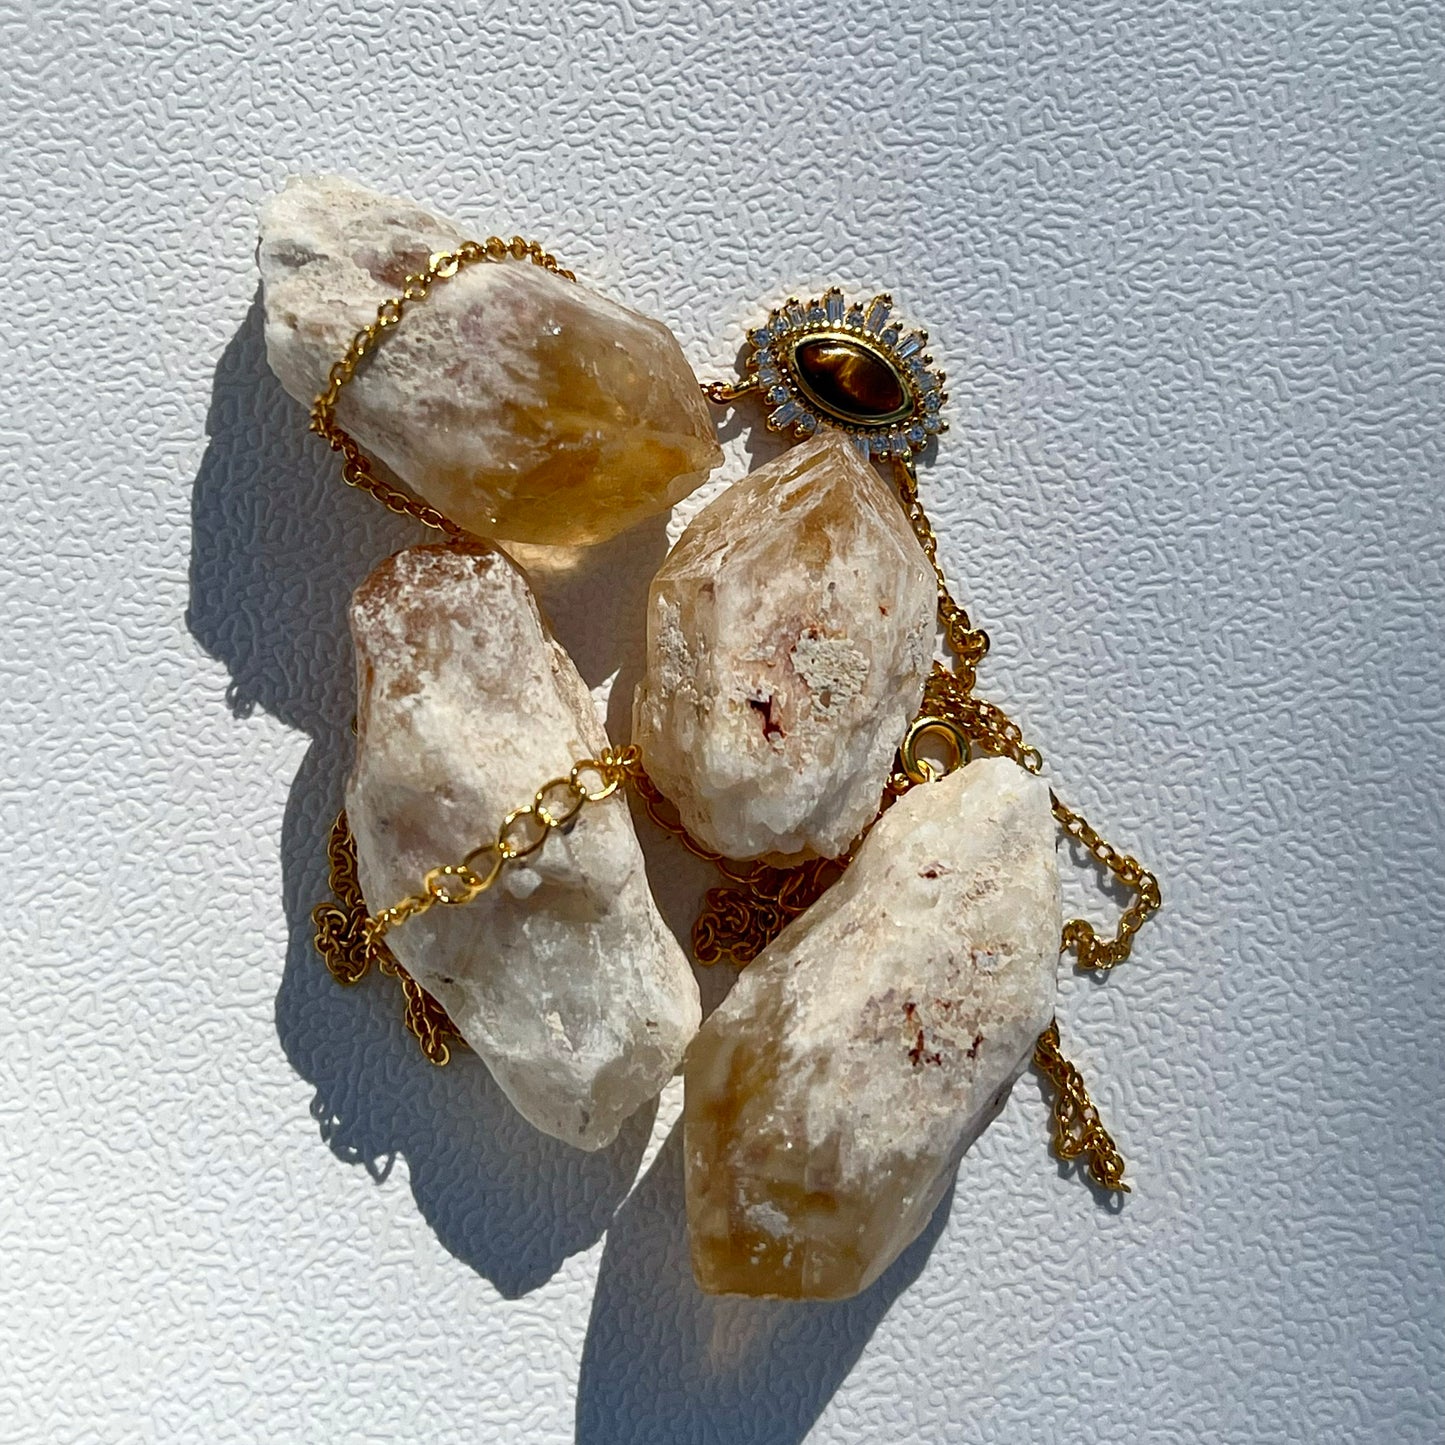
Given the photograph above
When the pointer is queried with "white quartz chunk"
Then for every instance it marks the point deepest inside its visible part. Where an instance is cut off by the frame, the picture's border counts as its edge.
(563, 977)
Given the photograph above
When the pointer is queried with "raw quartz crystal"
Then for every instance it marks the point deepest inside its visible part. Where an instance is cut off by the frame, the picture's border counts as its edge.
(563, 976)
(789, 635)
(831, 1096)
(524, 406)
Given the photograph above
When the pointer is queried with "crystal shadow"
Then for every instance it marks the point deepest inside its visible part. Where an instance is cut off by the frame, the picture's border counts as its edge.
(278, 544)
(665, 1363)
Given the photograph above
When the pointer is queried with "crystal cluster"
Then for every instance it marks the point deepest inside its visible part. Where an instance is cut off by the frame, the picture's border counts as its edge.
(789, 635)
(563, 977)
(831, 1096)
(523, 405)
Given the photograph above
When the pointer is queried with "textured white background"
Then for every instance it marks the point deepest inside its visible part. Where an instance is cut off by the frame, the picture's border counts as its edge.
(1184, 263)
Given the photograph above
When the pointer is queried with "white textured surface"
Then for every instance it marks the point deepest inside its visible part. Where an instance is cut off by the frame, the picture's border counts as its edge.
(1183, 262)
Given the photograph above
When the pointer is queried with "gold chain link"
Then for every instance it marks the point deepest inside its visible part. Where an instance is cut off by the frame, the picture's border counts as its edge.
(1092, 952)
(347, 942)
(987, 725)
(740, 918)
(522, 832)
(968, 643)
(1078, 1130)
(350, 939)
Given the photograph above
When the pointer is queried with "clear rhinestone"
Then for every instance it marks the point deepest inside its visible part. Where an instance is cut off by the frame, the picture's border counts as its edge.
(932, 422)
(878, 309)
(834, 303)
(760, 337)
(806, 424)
(778, 394)
(784, 414)
(916, 434)
(767, 375)
(890, 337)
(855, 316)
(910, 346)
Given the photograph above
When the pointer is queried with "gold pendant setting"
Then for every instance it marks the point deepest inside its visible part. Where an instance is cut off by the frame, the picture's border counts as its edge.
(855, 367)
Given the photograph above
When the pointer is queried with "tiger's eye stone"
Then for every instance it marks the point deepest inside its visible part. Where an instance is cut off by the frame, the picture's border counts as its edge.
(848, 380)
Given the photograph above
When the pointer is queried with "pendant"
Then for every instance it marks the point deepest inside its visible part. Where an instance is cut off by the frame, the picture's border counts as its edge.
(854, 368)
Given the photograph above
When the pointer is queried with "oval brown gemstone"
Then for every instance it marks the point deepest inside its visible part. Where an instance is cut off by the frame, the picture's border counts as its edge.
(848, 380)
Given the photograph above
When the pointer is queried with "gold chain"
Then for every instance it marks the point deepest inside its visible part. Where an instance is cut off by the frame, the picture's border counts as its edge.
(350, 939)
(1078, 1130)
(968, 643)
(1077, 1127)
(740, 918)
(344, 937)
(990, 728)
(522, 832)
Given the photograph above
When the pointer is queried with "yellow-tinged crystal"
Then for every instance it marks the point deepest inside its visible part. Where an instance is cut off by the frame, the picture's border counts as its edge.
(835, 1090)
(524, 406)
(789, 635)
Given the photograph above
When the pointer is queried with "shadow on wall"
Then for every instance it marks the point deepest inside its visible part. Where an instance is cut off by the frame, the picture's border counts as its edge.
(278, 544)
(666, 1364)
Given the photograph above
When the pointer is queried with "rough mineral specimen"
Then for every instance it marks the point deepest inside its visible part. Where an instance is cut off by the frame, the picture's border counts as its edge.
(525, 406)
(832, 1094)
(563, 977)
(789, 635)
